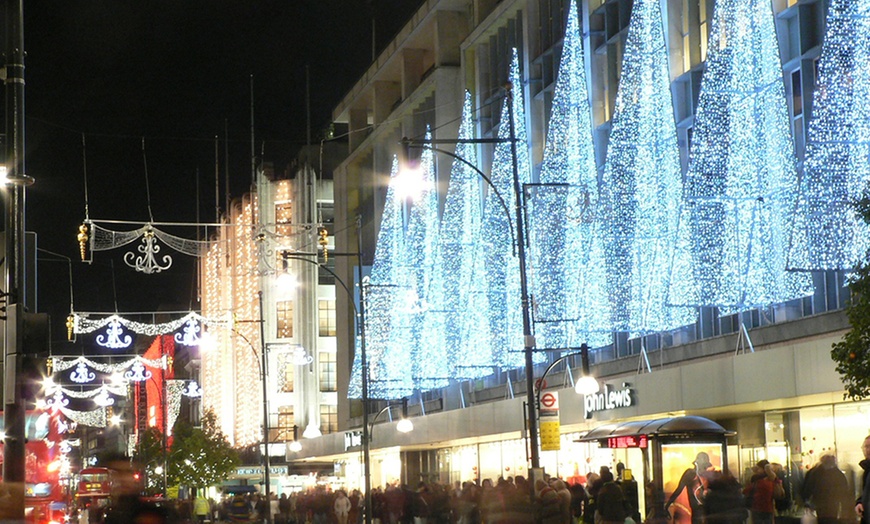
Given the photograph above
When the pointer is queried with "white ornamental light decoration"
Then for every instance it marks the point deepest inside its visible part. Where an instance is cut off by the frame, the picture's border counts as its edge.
(114, 337)
(301, 357)
(58, 401)
(103, 399)
(82, 374)
(137, 373)
(190, 335)
(147, 262)
(192, 390)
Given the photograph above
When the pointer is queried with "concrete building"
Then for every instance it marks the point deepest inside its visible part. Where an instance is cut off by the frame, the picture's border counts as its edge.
(773, 385)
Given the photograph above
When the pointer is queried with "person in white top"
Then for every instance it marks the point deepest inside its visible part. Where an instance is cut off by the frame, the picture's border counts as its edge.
(341, 506)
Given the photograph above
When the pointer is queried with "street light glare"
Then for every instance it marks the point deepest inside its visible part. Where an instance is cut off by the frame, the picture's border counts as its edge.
(587, 385)
(405, 426)
(311, 431)
(286, 281)
(409, 183)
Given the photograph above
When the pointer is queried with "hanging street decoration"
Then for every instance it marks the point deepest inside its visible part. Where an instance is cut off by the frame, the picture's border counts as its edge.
(147, 262)
(114, 338)
(82, 374)
(191, 322)
(190, 333)
(60, 364)
(192, 390)
(102, 397)
(137, 372)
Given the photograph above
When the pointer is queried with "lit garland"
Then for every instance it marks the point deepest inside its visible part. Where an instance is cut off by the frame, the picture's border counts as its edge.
(94, 419)
(741, 185)
(120, 390)
(174, 391)
(829, 234)
(83, 325)
(642, 183)
(568, 263)
(60, 364)
(429, 367)
(466, 327)
(502, 262)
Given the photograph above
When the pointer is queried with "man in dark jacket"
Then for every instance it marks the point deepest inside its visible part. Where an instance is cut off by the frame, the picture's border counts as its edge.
(826, 490)
(865, 491)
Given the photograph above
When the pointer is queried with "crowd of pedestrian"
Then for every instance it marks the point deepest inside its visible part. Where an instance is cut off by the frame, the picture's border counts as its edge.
(703, 495)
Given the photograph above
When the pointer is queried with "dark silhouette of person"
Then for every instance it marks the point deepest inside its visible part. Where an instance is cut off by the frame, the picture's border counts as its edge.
(827, 491)
(693, 482)
(723, 502)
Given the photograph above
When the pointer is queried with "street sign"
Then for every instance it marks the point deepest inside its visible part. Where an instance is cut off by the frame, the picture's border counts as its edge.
(549, 401)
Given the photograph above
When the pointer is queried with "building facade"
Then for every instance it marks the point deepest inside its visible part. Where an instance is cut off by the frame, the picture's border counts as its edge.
(261, 279)
(764, 373)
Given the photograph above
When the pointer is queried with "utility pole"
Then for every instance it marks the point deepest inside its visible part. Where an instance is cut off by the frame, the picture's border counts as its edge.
(13, 200)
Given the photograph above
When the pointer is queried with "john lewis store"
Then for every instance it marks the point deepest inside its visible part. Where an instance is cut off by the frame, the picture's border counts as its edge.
(782, 400)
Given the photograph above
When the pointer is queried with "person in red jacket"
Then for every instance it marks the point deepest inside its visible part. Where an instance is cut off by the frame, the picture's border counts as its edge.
(760, 492)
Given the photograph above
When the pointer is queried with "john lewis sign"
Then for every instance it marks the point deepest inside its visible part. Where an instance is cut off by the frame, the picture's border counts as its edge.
(608, 399)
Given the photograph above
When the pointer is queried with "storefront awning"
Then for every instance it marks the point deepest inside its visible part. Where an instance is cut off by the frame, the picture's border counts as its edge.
(672, 427)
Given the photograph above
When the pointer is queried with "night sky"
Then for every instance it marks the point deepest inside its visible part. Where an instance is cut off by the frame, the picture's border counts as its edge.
(176, 73)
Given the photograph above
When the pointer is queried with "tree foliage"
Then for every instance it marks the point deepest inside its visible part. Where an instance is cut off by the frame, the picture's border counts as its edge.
(852, 353)
(201, 456)
(197, 457)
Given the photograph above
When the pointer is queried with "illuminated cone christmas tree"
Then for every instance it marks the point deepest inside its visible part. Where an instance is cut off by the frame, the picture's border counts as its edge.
(642, 183)
(829, 234)
(741, 186)
(464, 290)
(571, 303)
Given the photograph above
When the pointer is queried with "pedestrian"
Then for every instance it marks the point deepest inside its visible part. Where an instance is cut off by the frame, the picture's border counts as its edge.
(760, 492)
(341, 506)
(200, 508)
(723, 502)
(610, 505)
(826, 490)
(865, 491)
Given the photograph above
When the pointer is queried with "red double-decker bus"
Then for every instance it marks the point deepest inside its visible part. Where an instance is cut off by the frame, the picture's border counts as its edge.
(95, 482)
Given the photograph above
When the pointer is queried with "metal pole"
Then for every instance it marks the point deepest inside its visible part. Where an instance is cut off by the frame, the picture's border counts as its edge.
(364, 377)
(14, 351)
(165, 412)
(266, 460)
(528, 338)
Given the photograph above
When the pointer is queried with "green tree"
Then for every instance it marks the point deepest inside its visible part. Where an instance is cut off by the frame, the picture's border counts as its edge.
(149, 456)
(200, 457)
(852, 353)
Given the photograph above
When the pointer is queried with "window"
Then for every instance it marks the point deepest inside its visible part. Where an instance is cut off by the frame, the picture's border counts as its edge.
(326, 316)
(328, 380)
(284, 218)
(284, 318)
(286, 373)
(286, 422)
(796, 92)
(328, 419)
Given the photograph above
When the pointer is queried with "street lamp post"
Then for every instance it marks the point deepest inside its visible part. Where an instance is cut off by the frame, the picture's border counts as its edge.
(360, 328)
(267, 466)
(587, 383)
